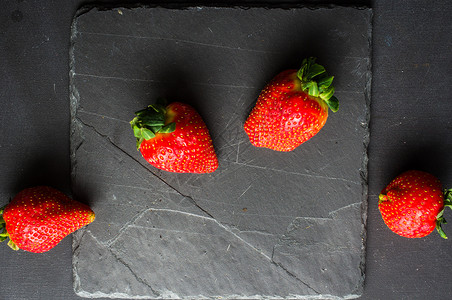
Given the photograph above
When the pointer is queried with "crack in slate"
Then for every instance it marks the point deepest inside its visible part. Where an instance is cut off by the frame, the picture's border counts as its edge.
(343, 207)
(156, 81)
(288, 272)
(289, 230)
(294, 276)
(179, 41)
(137, 278)
(81, 110)
(295, 173)
(119, 259)
(132, 220)
(75, 247)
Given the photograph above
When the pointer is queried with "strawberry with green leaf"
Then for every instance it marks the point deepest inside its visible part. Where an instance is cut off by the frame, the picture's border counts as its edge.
(38, 218)
(292, 108)
(412, 205)
(174, 138)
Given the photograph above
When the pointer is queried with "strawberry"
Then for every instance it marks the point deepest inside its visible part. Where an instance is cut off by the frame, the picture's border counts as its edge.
(292, 108)
(38, 218)
(174, 138)
(412, 205)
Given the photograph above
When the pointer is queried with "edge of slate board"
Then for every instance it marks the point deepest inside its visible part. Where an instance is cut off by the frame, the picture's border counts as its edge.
(311, 4)
(270, 5)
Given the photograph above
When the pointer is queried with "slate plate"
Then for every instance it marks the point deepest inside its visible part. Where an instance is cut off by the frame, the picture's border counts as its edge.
(265, 224)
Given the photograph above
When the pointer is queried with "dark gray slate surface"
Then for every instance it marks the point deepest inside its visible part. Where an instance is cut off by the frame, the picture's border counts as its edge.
(265, 224)
(409, 129)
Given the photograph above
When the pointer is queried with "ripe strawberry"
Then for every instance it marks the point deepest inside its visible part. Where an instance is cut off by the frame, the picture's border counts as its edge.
(38, 218)
(412, 205)
(292, 108)
(174, 138)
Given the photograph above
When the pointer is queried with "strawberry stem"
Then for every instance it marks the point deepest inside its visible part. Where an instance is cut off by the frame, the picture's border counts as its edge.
(3, 233)
(382, 198)
(440, 218)
(150, 121)
(317, 83)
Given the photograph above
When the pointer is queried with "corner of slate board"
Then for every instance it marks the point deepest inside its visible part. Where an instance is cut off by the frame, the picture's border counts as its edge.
(265, 224)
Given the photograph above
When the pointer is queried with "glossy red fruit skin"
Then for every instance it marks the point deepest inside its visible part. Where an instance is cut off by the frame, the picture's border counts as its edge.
(188, 149)
(285, 116)
(411, 202)
(38, 218)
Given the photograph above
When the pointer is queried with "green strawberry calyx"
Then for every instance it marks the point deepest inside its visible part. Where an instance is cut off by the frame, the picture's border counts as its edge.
(3, 233)
(316, 82)
(382, 197)
(150, 121)
(440, 218)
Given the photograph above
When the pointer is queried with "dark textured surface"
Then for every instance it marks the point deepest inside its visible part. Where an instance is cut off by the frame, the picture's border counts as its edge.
(410, 128)
(257, 226)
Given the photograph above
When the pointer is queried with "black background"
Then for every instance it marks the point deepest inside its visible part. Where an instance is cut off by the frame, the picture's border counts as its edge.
(410, 128)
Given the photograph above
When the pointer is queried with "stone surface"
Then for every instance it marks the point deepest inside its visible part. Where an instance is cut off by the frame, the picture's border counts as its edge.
(265, 224)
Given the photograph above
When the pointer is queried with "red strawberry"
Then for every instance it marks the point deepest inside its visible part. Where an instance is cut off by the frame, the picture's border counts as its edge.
(292, 108)
(38, 218)
(412, 205)
(174, 138)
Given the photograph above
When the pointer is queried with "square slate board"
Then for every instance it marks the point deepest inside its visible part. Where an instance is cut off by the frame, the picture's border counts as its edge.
(265, 224)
